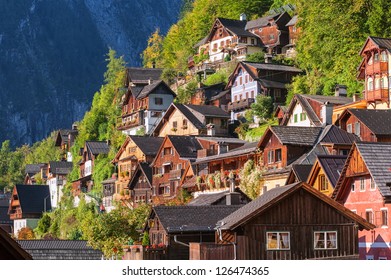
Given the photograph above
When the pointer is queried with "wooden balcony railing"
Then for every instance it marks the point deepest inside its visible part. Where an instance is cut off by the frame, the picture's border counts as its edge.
(123, 124)
(377, 68)
(241, 104)
(377, 95)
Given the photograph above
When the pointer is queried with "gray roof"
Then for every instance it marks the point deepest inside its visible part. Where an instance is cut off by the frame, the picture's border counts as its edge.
(243, 150)
(261, 22)
(148, 145)
(378, 121)
(208, 111)
(148, 89)
(271, 84)
(217, 198)
(293, 21)
(98, 147)
(273, 67)
(312, 116)
(383, 43)
(296, 135)
(331, 99)
(32, 169)
(142, 168)
(332, 166)
(60, 167)
(222, 139)
(60, 250)
(186, 146)
(236, 27)
(301, 171)
(32, 198)
(237, 216)
(64, 133)
(377, 158)
(192, 218)
(333, 134)
(142, 75)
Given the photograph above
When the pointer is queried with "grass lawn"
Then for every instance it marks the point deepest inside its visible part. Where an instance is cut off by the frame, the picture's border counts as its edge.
(256, 133)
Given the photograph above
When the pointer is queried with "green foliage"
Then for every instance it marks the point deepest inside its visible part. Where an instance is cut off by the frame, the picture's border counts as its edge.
(216, 78)
(103, 169)
(185, 93)
(145, 241)
(250, 179)
(255, 134)
(263, 107)
(256, 57)
(43, 226)
(44, 151)
(151, 56)
(242, 129)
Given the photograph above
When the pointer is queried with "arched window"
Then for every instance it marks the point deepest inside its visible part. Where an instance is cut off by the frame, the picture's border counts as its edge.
(370, 83)
(376, 57)
(384, 82)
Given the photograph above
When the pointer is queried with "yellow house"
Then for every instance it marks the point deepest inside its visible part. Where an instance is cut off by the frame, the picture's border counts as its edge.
(338, 110)
(325, 172)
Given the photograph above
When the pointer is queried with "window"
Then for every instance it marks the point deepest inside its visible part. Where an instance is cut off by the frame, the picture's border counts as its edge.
(384, 217)
(353, 187)
(158, 101)
(377, 83)
(184, 123)
(243, 40)
(294, 28)
(303, 116)
(167, 151)
(175, 124)
(277, 93)
(278, 155)
(370, 83)
(270, 156)
(278, 240)
(295, 118)
(252, 94)
(369, 216)
(362, 184)
(376, 57)
(370, 61)
(349, 128)
(357, 128)
(373, 185)
(384, 56)
(246, 79)
(223, 123)
(252, 41)
(325, 240)
(179, 166)
(323, 183)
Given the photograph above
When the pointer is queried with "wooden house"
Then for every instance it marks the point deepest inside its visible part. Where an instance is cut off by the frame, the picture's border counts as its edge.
(28, 202)
(374, 71)
(57, 178)
(325, 172)
(172, 228)
(293, 30)
(364, 188)
(173, 157)
(313, 110)
(298, 173)
(272, 30)
(293, 222)
(369, 125)
(65, 138)
(108, 194)
(5, 221)
(249, 80)
(280, 147)
(10, 249)
(215, 95)
(135, 149)
(146, 99)
(191, 119)
(356, 104)
(140, 185)
(88, 154)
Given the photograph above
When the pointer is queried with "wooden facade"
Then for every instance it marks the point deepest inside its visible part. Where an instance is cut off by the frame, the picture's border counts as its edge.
(294, 224)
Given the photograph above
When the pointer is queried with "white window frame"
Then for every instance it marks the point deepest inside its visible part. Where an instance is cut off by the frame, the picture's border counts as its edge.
(325, 240)
(372, 217)
(279, 236)
(362, 184)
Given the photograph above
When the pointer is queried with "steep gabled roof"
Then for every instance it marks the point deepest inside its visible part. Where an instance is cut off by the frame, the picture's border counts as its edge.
(60, 167)
(97, 147)
(32, 169)
(150, 88)
(62, 135)
(33, 199)
(236, 27)
(216, 198)
(263, 21)
(142, 168)
(334, 135)
(277, 195)
(301, 171)
(332, 166)
(176, 219)
(186, 146)
(378, 121)
(208, 111)
(382, 43)
(293, 135)
(148, 145)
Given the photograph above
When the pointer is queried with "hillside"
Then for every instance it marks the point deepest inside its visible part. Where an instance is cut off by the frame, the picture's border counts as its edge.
(53, 57)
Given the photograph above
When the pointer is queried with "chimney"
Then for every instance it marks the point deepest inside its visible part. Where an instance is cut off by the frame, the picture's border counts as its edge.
(243, 17)
(356, 97)
(108, 142)
(150, 81)
(153, 64)
(341, 90)
(268, 58)
(74, 126)
(232, 198)
(211, 131)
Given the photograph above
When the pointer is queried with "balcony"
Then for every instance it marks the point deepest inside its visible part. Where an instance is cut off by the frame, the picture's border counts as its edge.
(377, 95)
(134, 120)
(176, 174)
(241, 104)
(376, 68)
